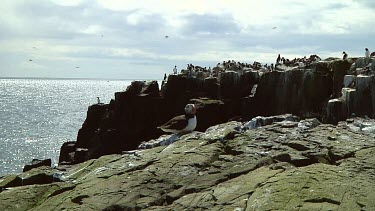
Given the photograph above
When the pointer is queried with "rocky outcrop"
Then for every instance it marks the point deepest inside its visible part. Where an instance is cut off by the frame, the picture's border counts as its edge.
(284, 165)
(357, 100)
(134, 115)
(35, 163)
(295, 91)
(237, 93)
(358, 95)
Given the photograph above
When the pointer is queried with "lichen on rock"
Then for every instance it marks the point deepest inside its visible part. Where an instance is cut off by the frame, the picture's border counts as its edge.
(284, 165)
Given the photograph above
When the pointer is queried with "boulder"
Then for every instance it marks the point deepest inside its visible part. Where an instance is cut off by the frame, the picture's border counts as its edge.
(336, 111)
(260, 121)
(349, 80)
(38, 175)
(67, 152)
(135, 88)
(35, 163)
(150, 88)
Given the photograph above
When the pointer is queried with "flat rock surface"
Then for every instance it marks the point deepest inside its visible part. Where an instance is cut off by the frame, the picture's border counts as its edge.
(283, 166)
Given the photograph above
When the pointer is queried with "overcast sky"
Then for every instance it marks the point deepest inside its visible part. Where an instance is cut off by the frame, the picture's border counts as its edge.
(126, 39)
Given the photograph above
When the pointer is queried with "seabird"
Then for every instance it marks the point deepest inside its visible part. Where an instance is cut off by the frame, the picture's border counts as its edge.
(166, 36)
(345, 55)
(182, 124)
(274, 27)
(367, 53)
(30, 60)
(98, 100)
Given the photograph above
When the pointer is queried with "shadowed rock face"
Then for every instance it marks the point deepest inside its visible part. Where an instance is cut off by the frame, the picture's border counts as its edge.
(357, 100)
(284, 165)
(294, 91)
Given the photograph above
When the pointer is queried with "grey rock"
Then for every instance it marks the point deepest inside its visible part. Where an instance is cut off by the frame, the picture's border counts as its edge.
(285, 164)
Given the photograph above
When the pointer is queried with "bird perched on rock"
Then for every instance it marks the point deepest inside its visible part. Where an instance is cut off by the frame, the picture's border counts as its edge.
(345, 55)
(367, 53)
(182, 124)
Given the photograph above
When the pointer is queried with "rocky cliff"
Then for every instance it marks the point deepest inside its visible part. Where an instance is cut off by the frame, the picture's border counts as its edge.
(273, 163)
(238, 92)
(235, 160)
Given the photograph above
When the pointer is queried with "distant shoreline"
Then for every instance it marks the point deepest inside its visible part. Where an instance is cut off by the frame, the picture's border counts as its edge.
(93, 79)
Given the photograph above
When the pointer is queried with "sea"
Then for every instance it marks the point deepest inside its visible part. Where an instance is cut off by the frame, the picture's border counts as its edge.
(38, 115)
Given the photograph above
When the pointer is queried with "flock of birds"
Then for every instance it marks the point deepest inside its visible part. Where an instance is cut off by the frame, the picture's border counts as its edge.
(30, 60)
(166, 37)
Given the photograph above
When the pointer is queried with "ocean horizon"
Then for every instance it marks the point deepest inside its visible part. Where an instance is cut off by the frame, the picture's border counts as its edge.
(67, 78)
(39, 114)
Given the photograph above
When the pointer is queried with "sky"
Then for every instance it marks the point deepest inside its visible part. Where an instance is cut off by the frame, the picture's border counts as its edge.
(143, 39)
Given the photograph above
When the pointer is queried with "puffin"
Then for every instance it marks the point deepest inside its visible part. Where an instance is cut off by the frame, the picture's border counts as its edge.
(182, 124)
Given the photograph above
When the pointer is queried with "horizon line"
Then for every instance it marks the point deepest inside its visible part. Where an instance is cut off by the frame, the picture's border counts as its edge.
(68, 78)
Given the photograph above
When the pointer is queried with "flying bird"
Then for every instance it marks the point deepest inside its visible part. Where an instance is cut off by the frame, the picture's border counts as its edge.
(274, 27)
(30, 60)
(166, 36)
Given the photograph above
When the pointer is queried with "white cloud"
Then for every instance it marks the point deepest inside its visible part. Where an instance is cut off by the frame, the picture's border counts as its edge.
(137, 17)
(66, 32)
(68, 2)
(92, 29)
(326, 16)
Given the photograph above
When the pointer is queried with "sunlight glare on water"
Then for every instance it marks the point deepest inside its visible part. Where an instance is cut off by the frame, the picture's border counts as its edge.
(39, 115)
